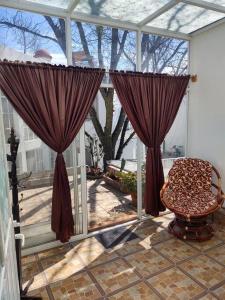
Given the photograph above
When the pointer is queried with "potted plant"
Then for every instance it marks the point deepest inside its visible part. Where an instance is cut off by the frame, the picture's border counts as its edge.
(129, 180)
(112, 177)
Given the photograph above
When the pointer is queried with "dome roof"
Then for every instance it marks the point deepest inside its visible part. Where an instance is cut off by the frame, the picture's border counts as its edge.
(42, 53)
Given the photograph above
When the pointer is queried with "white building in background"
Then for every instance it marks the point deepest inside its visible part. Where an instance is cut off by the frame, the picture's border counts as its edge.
(34, 156)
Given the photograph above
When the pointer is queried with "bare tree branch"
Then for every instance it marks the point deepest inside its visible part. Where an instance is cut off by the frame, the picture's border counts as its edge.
(11, 25)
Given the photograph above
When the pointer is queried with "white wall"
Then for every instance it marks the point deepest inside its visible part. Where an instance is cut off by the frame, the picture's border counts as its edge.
(206, 129)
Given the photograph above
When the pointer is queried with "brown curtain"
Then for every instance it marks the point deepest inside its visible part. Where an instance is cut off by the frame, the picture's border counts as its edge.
(54, 102)
(151, 102)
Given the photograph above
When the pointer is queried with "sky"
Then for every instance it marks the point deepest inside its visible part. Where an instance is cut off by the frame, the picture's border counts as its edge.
(9, 37)
(12, 38)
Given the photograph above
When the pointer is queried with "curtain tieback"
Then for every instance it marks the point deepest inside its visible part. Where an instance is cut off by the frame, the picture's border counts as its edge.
(154, 148)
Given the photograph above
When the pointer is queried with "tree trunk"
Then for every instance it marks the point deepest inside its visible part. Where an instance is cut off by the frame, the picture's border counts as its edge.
(107, 94)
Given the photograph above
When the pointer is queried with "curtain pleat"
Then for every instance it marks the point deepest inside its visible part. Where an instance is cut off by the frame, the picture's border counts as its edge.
(151, 102)
(54, 102)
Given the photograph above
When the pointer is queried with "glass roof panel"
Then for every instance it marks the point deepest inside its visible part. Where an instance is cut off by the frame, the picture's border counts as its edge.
(219, 2)
(54, 3)
(127, 10)
(186, 18)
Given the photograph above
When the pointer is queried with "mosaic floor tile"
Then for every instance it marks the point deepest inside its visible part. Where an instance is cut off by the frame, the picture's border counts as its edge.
(208, 297)
(220, 292)
(95, 258)
(205, 270)
(148, 262)
(79, 287)
(220, 232)
(57, 269)
(213, 242)
(92, 253)
(87, 245)
(176, 250)
(145, 223)
(175, 285)
(139, 291)
(32, 271)
(131, 247)
(218, 254)
(42, 293)
(28, 259)
(114, 275)
(153, 235)
(54, 251)
(163, 220)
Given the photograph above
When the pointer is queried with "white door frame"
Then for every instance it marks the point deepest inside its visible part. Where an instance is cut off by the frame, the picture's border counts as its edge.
(9, 284)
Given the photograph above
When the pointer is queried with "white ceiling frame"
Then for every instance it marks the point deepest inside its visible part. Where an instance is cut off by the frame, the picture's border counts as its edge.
(158, 13)
(36, 8)
(127, 26)
(72, 5)
(63, 13)
(207, 27)
(206, 5)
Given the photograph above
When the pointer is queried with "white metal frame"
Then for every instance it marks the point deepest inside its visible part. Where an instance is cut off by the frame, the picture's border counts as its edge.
(139, 143)
(68, 15)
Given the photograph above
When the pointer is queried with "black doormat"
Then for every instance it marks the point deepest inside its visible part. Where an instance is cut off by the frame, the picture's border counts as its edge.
(115, 237)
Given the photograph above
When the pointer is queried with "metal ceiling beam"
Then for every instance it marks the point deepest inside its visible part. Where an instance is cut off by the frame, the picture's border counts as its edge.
(103, 21)
(206, 5)
(127, 25)
(207, 27)
(73, 4)
(166, 33)
(63, 13)
(158, 13)
(35, 7)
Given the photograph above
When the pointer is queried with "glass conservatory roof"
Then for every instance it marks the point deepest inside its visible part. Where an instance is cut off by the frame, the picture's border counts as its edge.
(129, 10)
(186, 18)
(162, 16)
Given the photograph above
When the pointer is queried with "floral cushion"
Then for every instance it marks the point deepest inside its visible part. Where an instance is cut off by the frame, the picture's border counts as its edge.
(190, 175)
(189, 188)
(189, 204)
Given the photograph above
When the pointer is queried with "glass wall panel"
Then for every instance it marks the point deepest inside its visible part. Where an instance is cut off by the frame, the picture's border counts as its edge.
(27, 36)
(107, 129)
(186, 18)
(168, 55)
(104, 47)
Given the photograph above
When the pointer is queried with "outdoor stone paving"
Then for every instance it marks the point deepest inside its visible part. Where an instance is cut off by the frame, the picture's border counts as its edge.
(106, 206)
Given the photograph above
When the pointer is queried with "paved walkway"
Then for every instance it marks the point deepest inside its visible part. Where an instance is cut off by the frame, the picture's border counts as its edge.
(106, 206)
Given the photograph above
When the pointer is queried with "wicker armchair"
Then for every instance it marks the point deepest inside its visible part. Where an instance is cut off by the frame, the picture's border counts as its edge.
(191, 194)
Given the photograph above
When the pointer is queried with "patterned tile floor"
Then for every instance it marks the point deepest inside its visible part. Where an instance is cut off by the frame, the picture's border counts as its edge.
(106, 206)
(153, 266)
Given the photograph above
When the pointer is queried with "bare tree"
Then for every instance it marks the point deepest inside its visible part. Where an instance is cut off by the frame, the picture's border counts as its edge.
(104, 47)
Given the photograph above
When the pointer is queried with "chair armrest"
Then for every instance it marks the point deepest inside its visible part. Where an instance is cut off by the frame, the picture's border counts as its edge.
(220, 195)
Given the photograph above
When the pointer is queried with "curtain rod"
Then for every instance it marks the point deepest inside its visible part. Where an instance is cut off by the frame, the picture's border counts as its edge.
(193, 77)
